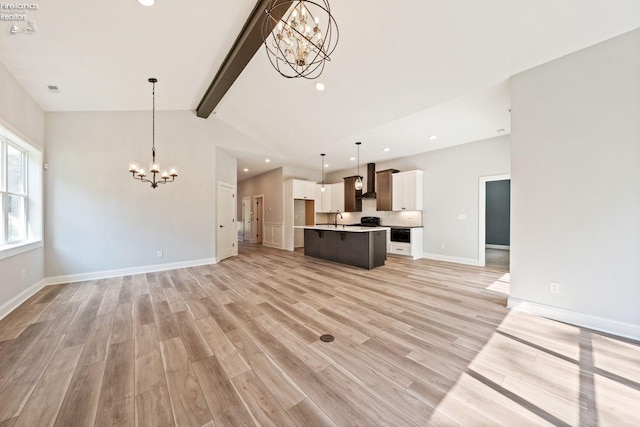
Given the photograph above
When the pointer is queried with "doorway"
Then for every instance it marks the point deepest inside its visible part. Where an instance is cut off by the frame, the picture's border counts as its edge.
(246, 219)
(494, 210)
(258, 221)
(227, 234)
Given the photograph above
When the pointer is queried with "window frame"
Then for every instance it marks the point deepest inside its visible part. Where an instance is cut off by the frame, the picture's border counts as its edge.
(31, 195)
(7, 194)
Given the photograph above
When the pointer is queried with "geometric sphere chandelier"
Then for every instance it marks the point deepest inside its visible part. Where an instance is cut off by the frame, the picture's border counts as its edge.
(154, 168)
(299, 43)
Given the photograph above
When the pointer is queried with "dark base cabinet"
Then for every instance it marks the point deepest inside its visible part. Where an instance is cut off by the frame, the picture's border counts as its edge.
(360, 249)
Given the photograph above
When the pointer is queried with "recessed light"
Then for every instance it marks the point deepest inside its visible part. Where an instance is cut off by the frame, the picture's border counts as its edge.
(352, 158)
(432, 137)
(386, 149)
(320, 86)
(267, 160)
(326, 165)
(245, 169)
(146, 2)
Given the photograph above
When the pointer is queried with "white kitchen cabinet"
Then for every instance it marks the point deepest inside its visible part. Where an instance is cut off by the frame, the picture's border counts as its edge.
(407, 191)
(304, 189)
(296, 189)
(413, 249)
(331, 200)
(337, 197)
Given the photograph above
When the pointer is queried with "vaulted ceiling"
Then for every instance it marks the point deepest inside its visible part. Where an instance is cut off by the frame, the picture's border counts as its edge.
(402, 71)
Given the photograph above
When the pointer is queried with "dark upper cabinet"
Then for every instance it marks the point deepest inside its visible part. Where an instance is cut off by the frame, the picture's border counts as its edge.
(352, 202)
(384, 189)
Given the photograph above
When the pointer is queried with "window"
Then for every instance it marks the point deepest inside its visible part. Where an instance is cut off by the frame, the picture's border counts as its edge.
(20, 193)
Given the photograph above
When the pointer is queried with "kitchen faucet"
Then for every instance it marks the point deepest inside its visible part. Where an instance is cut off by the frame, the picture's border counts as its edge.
(335, 219)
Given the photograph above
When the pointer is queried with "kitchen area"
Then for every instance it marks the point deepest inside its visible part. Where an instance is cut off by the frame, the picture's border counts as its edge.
(358, 227)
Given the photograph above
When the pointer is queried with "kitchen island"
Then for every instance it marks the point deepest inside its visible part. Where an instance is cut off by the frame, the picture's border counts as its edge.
(364, 247)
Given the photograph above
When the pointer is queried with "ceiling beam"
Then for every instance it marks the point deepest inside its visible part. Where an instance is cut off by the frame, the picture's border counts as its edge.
(246, 45)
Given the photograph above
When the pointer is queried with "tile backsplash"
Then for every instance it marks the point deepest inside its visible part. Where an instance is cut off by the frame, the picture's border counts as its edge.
(406, 218)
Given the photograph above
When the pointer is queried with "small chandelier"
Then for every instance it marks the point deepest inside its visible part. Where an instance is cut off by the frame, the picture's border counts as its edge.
(322, 187)
(359, 178)
(154, 168)
(299, 38)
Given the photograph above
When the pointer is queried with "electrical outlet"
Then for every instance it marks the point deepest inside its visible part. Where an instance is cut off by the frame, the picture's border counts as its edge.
(554, 287)
(441, 245)
(160, 254)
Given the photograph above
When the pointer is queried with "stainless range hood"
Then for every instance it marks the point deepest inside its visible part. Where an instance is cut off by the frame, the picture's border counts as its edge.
(371, 182)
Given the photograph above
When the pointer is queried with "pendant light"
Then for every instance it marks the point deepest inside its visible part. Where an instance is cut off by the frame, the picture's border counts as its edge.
(322, 188)
(135, 169)
(359, 179)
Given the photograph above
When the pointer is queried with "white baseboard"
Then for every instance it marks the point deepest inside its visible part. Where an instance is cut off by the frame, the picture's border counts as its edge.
(14, 302)
(622, 329)
(272, 245)
(503, 247)
(126, 271)
(438, 257)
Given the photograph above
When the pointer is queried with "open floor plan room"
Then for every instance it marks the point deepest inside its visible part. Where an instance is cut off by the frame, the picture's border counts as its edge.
(416, 343)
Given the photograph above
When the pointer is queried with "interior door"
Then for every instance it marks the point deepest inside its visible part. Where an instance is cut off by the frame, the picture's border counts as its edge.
(227, 233)
(257, 214)
(246, 219)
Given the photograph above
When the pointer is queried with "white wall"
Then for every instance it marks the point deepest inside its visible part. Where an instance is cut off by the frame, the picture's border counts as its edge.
(99, 219)
(20, 114)
(226, 167)
(576, 186)
(450, 188)
(268, 184)
(305, 174)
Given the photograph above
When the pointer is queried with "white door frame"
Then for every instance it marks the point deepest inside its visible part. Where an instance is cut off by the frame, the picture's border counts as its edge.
(482, 212)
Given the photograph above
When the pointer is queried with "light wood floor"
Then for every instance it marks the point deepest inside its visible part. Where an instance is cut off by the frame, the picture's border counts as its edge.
(416, 343)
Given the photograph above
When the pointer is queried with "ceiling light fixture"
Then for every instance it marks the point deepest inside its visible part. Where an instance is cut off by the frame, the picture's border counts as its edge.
(267, 160)
(432, 137)
(359, 178)
(295, 43)
(322, 169)
(320, 86)
(386, 149)
(245, 169)
(134, 168)
(146, 2)
(352, 158)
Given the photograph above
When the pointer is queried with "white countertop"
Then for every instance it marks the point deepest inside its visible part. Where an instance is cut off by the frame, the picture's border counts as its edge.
(340, 227)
